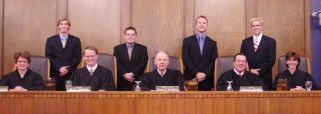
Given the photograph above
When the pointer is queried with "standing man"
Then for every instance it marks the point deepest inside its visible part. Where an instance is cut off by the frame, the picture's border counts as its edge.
(131, 59)
(260, 50)
(199, 53)
(64, 53)
(94, 75)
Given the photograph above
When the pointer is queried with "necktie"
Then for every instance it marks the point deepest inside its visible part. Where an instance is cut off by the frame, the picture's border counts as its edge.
(130, 50)
(256, 44)
(63, 41)
(201, 43)
(91, 71)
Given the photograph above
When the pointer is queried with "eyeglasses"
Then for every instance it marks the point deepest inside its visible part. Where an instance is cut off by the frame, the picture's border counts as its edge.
(22, 61)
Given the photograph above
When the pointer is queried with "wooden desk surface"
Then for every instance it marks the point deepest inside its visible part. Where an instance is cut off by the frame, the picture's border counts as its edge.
(115, 102)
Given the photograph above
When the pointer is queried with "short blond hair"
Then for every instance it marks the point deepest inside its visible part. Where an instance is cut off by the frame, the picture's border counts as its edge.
(256, 19)
(64, 19)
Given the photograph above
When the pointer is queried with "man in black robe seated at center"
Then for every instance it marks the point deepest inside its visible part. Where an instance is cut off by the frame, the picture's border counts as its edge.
(162, 76)
(238, 75)
(92, 74)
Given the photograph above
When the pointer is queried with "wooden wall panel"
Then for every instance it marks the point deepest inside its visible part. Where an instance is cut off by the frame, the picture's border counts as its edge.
(96, 23)
(1, 35)
(226, 23)
(284, 20)
(26, 27)
(160, 24)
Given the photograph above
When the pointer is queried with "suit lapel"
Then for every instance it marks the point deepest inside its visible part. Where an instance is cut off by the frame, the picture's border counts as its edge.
(206, 44)
(68, 42)
(196, 45)
(59, 44)
(261, 44)
(135, 49)
(125, 52)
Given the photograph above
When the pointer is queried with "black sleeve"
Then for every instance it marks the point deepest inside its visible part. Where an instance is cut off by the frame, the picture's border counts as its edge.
(186, 54)
(76, 56)
(108, 82)
(142, 62)
(120, 69)
(221, 83)
(38, 83)
(180, 80)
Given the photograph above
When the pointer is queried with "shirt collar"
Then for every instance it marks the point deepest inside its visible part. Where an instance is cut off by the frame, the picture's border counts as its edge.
(259, 37)
(161, 73)
(199, 35)
(241, 74)
(93, 68)
(63, 37)
(130, 45)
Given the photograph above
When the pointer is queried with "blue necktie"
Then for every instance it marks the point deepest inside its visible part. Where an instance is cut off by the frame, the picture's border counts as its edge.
(201, 43)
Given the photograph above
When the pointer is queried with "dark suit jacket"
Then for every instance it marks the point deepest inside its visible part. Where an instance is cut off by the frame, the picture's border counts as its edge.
(137, 64)
(263, 58)
(195, 62)
(59, 56)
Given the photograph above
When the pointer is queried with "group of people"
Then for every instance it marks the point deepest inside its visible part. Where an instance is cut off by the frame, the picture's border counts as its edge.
(199, 52)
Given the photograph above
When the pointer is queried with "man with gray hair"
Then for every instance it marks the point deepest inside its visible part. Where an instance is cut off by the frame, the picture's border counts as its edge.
(260, 51)
(162, 76)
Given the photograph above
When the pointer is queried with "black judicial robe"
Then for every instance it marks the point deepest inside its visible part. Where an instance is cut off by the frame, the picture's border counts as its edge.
(247, 79)
(297, 79)
(102, 78)
(31, 80)
(171, 78)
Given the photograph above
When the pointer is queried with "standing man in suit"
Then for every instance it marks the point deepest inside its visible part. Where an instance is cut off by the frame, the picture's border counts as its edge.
(64, 53)
(199, 53)
(260, 50)
(131, 59)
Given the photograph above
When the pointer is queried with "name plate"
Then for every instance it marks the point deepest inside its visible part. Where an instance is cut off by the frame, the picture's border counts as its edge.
(79, 89)
(167, 88)
(251, 88)
(4, 88)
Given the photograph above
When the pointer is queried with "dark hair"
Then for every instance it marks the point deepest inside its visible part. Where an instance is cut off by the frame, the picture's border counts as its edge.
(130, 28)
(63, 19)
(239, 54)
(91, 48)
(24, 54)
(294, 55)
(201, 16)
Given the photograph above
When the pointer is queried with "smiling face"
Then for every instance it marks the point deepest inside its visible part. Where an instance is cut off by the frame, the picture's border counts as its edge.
(90, 57)
(130, 36)
(63, 26)
(201, 25)
(240, 63)
(161, 61)
(256, 27)
(22, 64)
(292, 63)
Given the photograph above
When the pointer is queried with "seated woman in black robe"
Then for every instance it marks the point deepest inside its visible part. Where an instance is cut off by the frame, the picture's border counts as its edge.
(295, 77)
(22, 79)
(162, 76)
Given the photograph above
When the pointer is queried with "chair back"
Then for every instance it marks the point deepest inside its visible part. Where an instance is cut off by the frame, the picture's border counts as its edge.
(107, 61)
(174, 63)
(40, 65)
(304, 64)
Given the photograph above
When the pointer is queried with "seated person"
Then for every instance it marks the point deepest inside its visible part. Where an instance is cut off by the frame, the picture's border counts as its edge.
(162, 76)
(94, 75)
(22, 79)
(238, 75)
(295, 77)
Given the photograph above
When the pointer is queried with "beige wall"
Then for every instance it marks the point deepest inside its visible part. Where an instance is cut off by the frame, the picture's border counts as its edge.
(161, 24)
